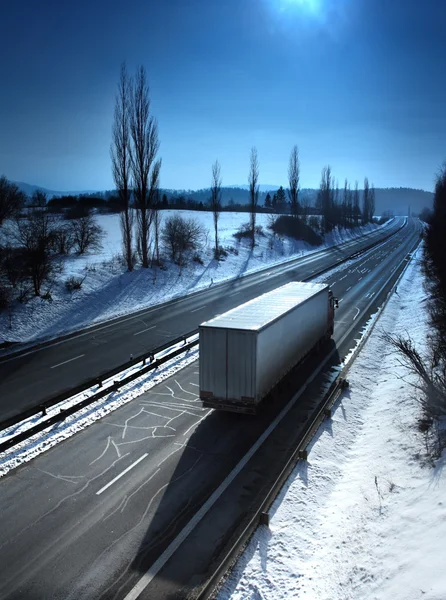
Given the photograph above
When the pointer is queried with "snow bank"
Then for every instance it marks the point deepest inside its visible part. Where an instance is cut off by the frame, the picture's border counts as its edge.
(365, 517)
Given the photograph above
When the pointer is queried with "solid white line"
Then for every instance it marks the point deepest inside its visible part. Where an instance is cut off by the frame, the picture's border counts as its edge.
(121, 474)
(199, 421)
(234, 294)
(199, 308)
(144, 330)
(356, 313)
(67, 361)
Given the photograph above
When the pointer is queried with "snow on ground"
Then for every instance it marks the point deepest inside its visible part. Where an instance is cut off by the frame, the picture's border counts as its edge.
(365, 517)
(108, 290)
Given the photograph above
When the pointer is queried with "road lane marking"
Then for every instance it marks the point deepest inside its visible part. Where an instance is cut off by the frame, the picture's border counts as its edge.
(349, 288)
(121, 474)
(199, 308)
(356, 313)
(199, 421)
(67, 361)
(144, 330)
(234, 294)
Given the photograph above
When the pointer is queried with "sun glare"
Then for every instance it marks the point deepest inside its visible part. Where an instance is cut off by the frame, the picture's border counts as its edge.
(312, 7)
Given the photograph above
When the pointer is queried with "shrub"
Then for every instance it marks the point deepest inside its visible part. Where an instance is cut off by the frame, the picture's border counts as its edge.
(197, 258)
(295, 228)
(244, 231)
(74, 283)
(180, 235)
(220, 253)
(47, 296)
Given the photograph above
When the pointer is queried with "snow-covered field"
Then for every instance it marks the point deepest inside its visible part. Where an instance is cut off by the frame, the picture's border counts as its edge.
(108, 290)
(365, 517)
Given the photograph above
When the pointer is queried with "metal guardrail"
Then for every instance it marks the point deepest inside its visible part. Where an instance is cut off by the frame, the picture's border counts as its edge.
(116, 385)
(86, 385)
(261, 516)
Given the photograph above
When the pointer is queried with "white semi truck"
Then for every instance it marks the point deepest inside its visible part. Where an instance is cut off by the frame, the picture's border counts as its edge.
(246, 351)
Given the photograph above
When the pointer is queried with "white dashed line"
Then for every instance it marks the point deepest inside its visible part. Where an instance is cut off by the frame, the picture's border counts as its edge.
(67, 361)
(121, 474)
(144, 330)
(199, 308)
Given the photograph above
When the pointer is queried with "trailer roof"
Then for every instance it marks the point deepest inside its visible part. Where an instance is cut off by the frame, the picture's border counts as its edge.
(259, 312)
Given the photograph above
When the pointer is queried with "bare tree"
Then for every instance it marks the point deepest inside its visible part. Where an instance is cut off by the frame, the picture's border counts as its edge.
(11, 199)
(345, 212)
(366, 202)
(180, 235)
(36, 236)
(356, 209)
(86, 234)
(372, 203)
(145, 169)
(39, 199)
(293, 180)
(121, 164)
(216, 201)
(156, 231)
(325, 199)
(253, 179)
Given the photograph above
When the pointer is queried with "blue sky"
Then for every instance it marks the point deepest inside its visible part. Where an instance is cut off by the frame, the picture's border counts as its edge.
(357, 84)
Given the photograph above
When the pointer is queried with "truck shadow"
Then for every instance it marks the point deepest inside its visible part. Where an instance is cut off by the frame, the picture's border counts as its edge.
(214, 449)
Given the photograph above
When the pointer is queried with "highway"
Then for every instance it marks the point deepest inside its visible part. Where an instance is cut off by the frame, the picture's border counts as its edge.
(88, 518)
(37, 374)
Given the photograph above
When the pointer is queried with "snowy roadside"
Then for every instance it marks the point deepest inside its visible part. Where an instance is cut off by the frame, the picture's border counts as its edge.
(365, 516)
(109, 291)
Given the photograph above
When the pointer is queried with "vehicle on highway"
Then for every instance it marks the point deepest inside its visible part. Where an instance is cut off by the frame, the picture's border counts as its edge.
(246, 351)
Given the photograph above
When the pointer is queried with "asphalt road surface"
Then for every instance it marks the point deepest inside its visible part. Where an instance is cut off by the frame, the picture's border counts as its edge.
(36, 375)
(88, 518)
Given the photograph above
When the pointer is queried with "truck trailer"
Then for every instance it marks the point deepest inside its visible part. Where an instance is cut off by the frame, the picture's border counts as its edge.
(246, 351)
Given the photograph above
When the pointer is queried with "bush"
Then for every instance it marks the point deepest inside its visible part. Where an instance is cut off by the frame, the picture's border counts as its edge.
(47, 296)
(180, 235)
(220, 253)
(197, 258)
(295, 228)
(77, 211)
(244, 231)
(73, 283)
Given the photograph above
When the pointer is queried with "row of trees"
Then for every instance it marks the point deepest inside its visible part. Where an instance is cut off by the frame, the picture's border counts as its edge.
(343, 208)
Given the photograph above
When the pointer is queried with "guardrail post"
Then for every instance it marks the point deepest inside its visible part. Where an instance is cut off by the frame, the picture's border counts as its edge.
(264, 518)
(303, 454)
(43, 411)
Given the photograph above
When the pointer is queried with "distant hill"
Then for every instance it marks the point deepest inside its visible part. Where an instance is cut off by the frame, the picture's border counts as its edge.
(29, 189)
